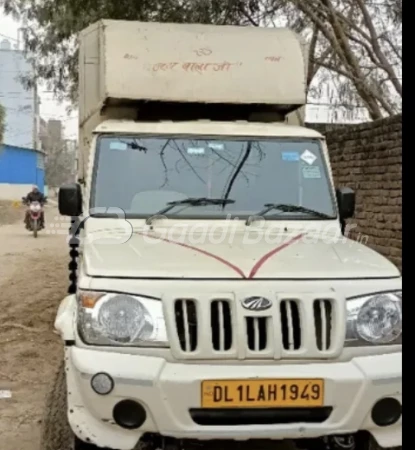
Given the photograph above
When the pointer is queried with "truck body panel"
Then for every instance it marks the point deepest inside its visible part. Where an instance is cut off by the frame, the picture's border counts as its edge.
(123, 64)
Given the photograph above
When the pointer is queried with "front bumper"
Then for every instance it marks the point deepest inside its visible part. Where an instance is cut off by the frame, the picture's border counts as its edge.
(168, 390)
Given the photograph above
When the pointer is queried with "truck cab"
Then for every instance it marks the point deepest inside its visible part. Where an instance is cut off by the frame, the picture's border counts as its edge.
(215, 294)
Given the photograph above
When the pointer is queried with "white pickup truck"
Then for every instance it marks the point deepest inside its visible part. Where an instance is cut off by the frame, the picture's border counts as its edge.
(214, 293)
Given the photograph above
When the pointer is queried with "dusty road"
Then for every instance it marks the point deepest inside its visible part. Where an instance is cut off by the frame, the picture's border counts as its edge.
(32, 282)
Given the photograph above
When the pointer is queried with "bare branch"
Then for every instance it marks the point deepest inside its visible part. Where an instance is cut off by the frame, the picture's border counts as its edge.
(377, 49)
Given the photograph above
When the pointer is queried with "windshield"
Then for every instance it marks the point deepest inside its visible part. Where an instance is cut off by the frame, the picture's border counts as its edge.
(142, 175)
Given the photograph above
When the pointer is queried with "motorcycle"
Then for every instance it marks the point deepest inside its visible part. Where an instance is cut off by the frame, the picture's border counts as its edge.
(34, 219)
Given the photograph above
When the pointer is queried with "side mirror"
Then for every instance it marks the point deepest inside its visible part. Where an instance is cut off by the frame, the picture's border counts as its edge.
(70, 200)
(346, 200)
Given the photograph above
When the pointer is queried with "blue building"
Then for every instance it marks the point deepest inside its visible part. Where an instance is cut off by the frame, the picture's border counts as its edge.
(20, 169)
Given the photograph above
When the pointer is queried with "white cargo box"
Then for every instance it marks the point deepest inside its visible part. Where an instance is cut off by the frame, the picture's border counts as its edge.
(123, 60)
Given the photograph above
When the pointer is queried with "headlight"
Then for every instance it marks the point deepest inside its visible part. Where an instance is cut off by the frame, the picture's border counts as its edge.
(120, 320)
(375, 320)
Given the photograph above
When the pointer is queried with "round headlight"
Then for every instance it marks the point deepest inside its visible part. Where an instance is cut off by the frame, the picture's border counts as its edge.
(379, 320)
(124, 319)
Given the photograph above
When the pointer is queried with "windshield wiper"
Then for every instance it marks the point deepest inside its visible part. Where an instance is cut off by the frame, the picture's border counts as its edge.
(198, 201)
(288, 208)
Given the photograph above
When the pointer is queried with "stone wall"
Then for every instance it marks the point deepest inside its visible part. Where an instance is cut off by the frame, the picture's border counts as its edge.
(368, 158)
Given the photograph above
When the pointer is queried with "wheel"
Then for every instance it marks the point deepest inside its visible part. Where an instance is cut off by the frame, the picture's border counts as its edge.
(368, 442)
(35, 228)
(373, 445)
(359, 441)
(56, 434)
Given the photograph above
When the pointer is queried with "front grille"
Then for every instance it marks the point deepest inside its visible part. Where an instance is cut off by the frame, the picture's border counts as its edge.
(257, 333)
(186, 323)
(323, 319)
(290, 325)
(297, 327)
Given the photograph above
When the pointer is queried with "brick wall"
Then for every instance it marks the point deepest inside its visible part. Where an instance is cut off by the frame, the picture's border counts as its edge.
(368, 158)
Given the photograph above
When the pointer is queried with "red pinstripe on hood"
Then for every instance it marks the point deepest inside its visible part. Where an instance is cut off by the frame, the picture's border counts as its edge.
(257, 266)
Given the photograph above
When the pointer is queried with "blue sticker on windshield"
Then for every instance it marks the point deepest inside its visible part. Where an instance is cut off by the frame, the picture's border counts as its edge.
(290, 156)
(118, 145)
(311, 172)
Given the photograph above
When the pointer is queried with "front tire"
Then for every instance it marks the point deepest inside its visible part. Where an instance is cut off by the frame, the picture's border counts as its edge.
(35, 228)
(56, 434)
(373, 445)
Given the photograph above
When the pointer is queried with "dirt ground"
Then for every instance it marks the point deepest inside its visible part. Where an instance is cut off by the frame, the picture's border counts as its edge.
(32, 282)
(9, 212)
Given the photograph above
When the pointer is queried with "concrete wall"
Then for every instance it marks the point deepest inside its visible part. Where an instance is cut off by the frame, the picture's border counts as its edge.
(14, 191)
(368, 158)
(20, 168)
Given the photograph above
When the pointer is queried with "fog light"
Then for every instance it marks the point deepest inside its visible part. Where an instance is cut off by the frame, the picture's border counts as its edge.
(129, 414)
(102, 383)
(386, 412)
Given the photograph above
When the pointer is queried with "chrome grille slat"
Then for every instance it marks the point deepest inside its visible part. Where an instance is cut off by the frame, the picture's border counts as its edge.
(186, 326)
(323, 323)
(290, 328)
(256, 334)
(221, 327)
(323, 309)
(291, 325)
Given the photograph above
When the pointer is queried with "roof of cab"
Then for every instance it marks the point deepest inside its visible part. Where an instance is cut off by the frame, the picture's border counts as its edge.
(208, 128)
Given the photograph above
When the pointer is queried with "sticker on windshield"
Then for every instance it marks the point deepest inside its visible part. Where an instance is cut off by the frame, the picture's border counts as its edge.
(118, 146)
(308, 157)
(290, 156)
(196, 151)
(216, 146)
(311, 172)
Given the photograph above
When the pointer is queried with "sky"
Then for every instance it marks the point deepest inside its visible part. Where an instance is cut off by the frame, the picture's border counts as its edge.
(49, 107)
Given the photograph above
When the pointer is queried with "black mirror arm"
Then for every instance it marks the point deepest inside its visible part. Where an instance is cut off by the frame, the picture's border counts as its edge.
(342, 225)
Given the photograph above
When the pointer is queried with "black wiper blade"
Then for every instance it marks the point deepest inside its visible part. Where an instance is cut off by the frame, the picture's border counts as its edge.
(198, 201)
(287, 208)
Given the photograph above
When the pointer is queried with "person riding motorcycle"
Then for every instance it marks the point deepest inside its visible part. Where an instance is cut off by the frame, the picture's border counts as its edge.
(34, 196)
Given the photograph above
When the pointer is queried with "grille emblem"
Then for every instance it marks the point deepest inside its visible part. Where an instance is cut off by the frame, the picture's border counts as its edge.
(256, 303)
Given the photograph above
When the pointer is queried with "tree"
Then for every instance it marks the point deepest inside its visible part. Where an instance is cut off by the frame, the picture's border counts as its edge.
(2, 122)
(60, 165)
(355, 45)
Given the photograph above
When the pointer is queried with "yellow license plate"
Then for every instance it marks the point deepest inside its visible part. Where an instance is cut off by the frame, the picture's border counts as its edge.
(303, 393)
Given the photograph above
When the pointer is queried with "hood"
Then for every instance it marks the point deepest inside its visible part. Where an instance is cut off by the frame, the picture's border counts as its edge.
(283, 255)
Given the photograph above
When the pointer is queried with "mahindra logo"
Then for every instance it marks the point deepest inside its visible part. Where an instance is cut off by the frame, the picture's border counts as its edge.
(256, 303)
